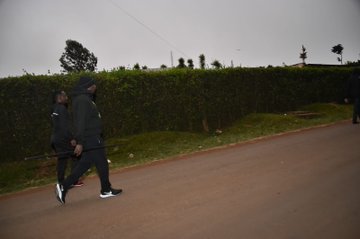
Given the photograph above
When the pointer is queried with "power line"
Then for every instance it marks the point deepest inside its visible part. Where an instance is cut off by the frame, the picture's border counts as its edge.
(148, 28)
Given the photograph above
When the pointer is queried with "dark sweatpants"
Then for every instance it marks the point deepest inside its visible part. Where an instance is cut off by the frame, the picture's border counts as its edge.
(62, 159)
(95, 156)
(356, 110)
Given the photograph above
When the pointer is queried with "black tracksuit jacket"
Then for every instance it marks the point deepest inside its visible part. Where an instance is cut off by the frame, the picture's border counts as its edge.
(353, 87)
(87, 119)
(61, 122)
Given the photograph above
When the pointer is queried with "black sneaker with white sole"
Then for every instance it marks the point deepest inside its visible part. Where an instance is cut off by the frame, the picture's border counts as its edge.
(113, 192)
(60, 193)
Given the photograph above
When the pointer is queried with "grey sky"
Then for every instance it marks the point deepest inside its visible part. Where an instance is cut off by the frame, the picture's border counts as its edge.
(247, 32)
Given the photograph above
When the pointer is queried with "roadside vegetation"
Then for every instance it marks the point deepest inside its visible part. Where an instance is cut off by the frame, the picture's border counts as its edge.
(154, 146)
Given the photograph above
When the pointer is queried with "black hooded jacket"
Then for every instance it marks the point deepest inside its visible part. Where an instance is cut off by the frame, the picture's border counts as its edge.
(353, 86)
(87, 119)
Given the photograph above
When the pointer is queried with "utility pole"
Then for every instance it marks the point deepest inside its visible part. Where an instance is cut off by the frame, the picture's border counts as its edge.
(238, 50)
(172, 59)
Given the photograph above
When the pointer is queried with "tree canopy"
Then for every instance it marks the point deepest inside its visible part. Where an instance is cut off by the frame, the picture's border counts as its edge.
(216, 64)
(202, 61)
(181, 63)
(338, 49)
(77, 58)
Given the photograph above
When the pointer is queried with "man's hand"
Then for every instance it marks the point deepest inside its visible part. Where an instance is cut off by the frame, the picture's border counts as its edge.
(73, 142)
(346, 100)
(78, 150)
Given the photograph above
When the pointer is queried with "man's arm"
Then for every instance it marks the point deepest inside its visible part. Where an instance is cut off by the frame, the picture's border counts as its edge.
(80, 114)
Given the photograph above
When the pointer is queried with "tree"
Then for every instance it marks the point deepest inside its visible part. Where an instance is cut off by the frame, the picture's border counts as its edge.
(136, 66)
(303, 54)
(181, 63)
(190, 63)
(216, 64)
(202, 61)
(338, 49)
(77, 58)
(163, 66)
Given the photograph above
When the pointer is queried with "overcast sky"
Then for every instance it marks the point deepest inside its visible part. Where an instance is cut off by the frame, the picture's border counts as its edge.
(125, 32)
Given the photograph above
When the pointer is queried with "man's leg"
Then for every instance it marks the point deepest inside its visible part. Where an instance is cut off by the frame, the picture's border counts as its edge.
(102, 167)
(61, 168)
(101, 164)
(62, 188)
(356, 113)
(61, 161)
(83, 165)
(75, 162)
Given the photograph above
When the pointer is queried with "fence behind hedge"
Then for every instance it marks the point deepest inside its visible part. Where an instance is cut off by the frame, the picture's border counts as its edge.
(185, 100)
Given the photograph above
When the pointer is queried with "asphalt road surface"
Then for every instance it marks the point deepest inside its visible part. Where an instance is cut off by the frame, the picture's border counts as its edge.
(294, 186)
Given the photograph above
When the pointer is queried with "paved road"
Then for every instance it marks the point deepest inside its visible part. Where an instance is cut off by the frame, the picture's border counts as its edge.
(294, 186)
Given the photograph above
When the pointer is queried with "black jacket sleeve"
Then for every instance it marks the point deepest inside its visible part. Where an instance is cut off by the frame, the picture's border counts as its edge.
(80, 115)
(64, 123)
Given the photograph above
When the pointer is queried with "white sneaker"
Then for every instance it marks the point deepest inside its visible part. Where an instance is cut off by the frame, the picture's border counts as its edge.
(111, 193)
(60, 193)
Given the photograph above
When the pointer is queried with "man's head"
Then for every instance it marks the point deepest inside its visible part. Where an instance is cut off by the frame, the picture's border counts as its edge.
(87, 83)
(60, 97)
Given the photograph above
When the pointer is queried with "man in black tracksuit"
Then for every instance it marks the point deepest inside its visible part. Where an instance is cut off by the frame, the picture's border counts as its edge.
(353, 93)
(88, 135)
(62, 139)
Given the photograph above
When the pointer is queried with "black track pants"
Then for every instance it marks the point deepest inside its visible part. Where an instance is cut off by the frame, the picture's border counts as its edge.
(88, 158)
(63, 159)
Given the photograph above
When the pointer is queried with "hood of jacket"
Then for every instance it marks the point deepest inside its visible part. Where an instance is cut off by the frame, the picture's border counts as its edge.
(81, 88)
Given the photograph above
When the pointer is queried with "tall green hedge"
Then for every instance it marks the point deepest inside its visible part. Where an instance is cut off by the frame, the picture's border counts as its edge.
(137, 101)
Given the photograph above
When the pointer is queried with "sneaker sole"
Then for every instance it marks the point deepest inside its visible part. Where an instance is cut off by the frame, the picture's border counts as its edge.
(109, 195)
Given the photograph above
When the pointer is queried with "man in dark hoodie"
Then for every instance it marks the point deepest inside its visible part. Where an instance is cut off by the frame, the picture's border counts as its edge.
(353, 93)
(62, 140)
(90, 145)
